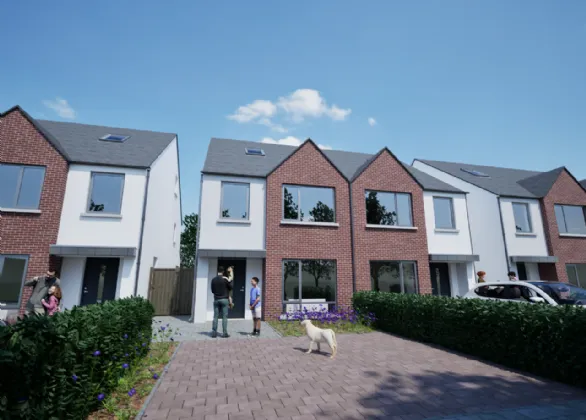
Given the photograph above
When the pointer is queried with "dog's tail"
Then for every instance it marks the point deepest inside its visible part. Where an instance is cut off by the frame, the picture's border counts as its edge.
(334, 339)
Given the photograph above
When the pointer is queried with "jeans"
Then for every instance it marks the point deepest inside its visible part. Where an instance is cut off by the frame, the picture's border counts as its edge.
(221, 305)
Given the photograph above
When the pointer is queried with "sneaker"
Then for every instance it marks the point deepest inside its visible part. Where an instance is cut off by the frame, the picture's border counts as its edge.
(214, 334)
(225, 335)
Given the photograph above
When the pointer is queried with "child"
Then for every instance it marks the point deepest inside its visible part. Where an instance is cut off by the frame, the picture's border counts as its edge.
(255, 306)
(229, 275)
(54, 298)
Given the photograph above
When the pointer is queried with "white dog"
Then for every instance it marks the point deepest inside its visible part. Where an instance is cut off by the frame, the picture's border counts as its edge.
(317, 335)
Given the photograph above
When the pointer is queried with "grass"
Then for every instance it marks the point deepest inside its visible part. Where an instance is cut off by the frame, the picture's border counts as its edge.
(122, 403)
(294, 329)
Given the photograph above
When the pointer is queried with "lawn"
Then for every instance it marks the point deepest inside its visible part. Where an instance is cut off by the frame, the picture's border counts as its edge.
(341, 321)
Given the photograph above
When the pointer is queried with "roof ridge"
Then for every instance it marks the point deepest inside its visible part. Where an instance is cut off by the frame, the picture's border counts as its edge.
(104, 126)
(475, 164)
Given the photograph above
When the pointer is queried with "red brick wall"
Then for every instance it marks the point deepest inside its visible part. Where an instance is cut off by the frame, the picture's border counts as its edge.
(307, 166)
(31, 234)
(386, 174)
(569, 250)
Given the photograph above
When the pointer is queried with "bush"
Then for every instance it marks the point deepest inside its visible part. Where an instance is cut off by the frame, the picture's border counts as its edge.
(61, 367)
(540, 339)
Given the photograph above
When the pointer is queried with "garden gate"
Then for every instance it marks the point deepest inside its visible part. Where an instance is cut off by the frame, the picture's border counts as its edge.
(171, 290)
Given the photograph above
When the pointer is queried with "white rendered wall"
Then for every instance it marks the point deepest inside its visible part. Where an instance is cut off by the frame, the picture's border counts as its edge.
(442, 241)
(485, 224)
(201, 293)
(220, 234)
(162, 228)
(532, 244)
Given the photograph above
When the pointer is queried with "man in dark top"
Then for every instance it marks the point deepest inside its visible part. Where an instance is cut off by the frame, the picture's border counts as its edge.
(221, 290)
(41, 286)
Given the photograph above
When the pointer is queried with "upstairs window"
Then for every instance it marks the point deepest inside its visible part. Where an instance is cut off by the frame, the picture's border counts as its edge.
(115, 138)
(571, 219)
(522, 218)
(21, 186)
(388, 209)
(443, 209)
(235, 201)
(309, 204)
(106, 191)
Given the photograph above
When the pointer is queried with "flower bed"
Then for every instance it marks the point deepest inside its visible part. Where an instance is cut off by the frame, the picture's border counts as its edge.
(341, 321)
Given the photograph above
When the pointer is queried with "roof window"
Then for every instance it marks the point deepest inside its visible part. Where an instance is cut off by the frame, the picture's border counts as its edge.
(254, 152)
(116, 138)
(475, 173)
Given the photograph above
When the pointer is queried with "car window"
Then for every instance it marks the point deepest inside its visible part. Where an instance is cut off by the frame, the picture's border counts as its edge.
(565, 294)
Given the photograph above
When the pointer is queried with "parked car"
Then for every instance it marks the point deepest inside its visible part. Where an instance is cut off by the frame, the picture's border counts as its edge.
(515, 291)
(562, 293)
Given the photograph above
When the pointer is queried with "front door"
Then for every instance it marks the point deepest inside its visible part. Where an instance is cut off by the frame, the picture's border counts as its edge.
(99, 280)
(239, 286)
(440, 279)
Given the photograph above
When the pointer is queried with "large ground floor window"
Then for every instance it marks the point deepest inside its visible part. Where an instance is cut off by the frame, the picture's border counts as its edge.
(12, 273)
(309, 284)
(577, 274)
(394, 276)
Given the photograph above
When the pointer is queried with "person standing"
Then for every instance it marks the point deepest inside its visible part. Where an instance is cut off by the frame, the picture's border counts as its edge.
(255, 306)
(221, 290)
(41, 286)
(512, 276)
(52, 304)
(481, 275)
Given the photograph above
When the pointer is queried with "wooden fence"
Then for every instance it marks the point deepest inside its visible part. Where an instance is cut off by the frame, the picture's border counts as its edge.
(171, 290)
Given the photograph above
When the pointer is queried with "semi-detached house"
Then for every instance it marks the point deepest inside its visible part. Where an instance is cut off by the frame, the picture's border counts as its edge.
(533, 223)
(100, 205)
(316, 225)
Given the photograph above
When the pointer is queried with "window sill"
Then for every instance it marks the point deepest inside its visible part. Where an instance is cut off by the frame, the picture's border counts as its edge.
(234, 221)
(444, 230)
(573, 235)
(26, 211)
(324, 224)
(526, 234)
(98, 215)
(391, 227)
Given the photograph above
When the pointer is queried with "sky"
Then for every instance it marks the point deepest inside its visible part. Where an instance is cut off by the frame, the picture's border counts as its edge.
(497, 82)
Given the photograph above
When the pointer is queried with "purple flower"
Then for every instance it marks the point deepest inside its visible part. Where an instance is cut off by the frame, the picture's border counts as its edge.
(126, 355)
(101, 397)
(163, 328)
(22, 399)
(155, 376)
(125, 336)
(144, 344)
(131, 392)
(125, 366)
(97, 353)
(75, 378)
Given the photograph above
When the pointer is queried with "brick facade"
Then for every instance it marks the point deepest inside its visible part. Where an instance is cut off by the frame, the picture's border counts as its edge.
(307, 166)
(385, 173)
(25, 233)
(565, 190)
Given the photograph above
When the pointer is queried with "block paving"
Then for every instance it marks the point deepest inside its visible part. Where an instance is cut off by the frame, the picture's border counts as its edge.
(374, 376)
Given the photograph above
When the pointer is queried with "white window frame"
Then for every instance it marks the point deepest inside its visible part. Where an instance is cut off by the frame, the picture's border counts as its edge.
(19, 257)
(452, 213)
(247, 185)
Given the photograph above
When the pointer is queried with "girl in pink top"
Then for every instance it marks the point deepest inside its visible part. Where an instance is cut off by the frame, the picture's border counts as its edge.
(52, 305)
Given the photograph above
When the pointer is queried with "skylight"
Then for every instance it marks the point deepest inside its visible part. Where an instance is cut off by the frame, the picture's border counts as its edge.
(475, 173)
(116, 138)
(254, 152)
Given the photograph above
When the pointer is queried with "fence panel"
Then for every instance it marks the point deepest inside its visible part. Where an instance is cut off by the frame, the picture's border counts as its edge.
(170, 290)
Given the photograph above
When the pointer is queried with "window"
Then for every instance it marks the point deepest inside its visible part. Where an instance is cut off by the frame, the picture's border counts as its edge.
(394, 276)
(522, 218)
(443, 208)
(309, 284)
(309, 204)
(12, 273)
(571, 219)
(21, 186)
(577, 274)
(389, 209)
(116, 138)
(106, 193)
(235, 201)
(254, 152)
(475, 173)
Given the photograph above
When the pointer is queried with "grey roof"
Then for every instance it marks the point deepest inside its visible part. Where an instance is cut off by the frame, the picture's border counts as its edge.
(80, 144)
(583, 182)
(501, 181)
(227, 157)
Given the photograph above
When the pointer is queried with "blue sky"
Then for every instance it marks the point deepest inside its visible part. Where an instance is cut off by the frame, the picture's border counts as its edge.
(496, 82)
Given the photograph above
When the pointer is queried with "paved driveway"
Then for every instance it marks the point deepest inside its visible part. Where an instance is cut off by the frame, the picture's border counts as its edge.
(374, 376)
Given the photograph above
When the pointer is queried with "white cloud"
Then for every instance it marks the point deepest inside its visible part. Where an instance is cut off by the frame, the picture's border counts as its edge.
(371, 122)
(61, 107)
(291, 141)
(309, 103)
(275, 127)
(259, 109)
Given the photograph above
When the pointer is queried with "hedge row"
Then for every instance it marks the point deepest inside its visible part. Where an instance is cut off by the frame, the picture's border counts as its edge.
(540, 339)
(60, 367)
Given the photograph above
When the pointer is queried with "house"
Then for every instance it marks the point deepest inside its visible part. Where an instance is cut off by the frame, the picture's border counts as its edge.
(317, 225)
(529, 222)
(101, 205)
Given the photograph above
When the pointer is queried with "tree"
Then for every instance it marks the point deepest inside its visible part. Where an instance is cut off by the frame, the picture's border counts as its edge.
(189, 240)
(376, 213)
(291, 209)
(96, 207)
(322, 213)
(318, 269)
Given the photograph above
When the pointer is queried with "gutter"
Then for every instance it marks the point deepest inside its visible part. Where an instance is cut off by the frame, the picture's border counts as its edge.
(191, 319)
(503, 232)
(470, 232)
(141, 237)
(352, 239)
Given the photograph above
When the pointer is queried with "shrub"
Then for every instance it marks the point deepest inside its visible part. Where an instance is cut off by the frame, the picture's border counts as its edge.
(63, 366)
(541, 339)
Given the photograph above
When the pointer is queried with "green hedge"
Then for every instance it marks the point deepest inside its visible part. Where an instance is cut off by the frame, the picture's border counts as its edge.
(57, 367)
(541, 339)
